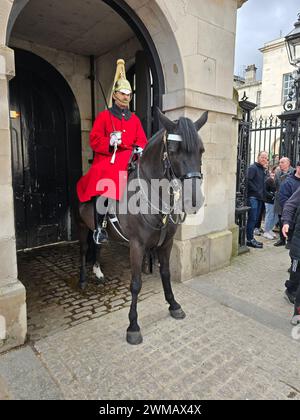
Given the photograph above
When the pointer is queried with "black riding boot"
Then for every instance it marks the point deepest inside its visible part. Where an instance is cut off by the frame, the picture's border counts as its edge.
(99, 235)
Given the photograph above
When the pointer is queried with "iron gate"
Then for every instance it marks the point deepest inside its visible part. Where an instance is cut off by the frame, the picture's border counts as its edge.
(278, 136)
(266, 135)
(243, 157)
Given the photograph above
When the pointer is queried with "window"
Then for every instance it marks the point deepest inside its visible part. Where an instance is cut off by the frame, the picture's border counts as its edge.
(287, 84)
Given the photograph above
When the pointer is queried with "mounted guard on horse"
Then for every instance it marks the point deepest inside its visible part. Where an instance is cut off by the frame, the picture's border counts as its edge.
(115, 134)
(172, 156)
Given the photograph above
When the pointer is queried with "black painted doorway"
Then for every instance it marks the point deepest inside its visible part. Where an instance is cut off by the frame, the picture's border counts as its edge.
(40, 164)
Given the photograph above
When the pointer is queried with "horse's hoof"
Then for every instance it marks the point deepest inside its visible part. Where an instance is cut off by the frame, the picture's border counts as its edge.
(177, 313)
(134, 337)
(82, 286)
(100, 282)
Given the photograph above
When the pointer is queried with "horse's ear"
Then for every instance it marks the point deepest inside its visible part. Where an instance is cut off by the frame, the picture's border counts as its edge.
(169, 125)
(202, 120)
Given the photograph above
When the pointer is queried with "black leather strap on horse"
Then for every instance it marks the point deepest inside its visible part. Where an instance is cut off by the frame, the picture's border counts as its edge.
(114, 221)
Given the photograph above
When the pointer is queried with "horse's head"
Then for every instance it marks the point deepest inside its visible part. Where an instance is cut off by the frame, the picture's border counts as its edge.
(183, 152)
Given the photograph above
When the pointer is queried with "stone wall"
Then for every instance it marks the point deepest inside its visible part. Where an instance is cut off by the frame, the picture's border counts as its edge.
(12, 292)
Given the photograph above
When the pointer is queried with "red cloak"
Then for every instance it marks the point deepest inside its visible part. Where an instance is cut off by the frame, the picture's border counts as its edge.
(101, 169)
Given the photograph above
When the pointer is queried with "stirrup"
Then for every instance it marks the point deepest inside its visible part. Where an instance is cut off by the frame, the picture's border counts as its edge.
(100, 236)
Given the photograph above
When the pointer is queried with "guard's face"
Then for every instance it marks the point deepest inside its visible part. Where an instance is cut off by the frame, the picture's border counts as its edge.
(122, 100)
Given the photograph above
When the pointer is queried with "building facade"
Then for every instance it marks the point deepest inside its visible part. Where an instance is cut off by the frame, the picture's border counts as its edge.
(276, 78)
(179, 55)
(269, 93)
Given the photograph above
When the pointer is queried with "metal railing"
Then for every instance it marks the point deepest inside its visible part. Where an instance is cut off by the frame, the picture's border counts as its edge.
(265, 135)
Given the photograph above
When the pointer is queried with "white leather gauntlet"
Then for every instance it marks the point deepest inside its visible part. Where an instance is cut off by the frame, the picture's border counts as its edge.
(115, 138)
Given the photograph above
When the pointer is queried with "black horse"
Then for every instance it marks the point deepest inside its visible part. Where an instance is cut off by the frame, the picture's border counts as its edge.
(174, 155)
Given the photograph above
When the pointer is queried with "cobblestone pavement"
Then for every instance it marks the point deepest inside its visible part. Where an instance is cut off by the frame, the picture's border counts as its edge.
(54, 300)
(235, 342)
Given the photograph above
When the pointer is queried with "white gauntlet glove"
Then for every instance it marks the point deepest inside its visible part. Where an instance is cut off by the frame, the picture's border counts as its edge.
(115, 138)
(138, 150)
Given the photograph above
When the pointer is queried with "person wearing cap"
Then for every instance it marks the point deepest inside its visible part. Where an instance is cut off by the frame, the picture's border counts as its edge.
(115, 134)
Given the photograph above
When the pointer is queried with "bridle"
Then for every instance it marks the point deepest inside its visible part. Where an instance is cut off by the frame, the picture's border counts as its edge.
(176, 186)
(168, 164)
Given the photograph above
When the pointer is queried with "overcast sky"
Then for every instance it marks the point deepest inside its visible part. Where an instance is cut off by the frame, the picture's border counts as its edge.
(258, 22)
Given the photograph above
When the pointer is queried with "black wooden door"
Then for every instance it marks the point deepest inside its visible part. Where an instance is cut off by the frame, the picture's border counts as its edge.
(140, 78)
(144, 106)
(39, 161)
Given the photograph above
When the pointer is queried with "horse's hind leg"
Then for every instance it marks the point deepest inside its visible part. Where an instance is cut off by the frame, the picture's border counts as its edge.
(134, 335)
(83, 242)
(164, 260)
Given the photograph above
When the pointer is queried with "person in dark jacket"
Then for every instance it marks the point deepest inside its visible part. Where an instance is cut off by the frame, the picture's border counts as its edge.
(285, 169)
(271, 217)
(295, 255)
(291, 220)
(256, 176)
(289, 186)
(287, 189)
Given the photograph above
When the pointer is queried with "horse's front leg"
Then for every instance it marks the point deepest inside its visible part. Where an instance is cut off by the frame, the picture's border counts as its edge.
(97, 265)
(134, 335)
(164, 253)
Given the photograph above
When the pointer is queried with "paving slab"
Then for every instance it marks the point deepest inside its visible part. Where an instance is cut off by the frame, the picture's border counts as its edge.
(24, 377)
(235, 343)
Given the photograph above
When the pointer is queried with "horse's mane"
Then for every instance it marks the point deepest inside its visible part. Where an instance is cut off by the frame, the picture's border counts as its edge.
(186, 129)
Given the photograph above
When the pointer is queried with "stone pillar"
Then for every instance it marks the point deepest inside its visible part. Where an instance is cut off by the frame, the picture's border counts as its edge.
(12, 293)
(205, 242)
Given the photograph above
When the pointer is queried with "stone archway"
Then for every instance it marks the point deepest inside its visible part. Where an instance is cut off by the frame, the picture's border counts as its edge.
(155, 35)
